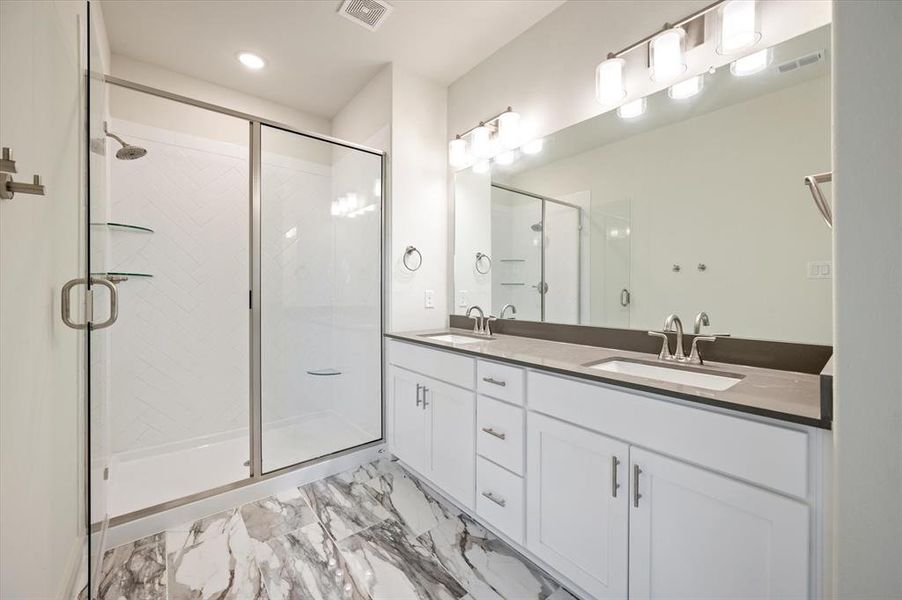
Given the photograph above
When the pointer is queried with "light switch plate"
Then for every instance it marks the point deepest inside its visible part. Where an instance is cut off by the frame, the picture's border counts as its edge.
(820, 269)
(429, 299)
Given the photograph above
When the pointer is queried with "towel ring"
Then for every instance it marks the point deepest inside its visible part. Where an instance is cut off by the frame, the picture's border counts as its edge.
(407, 252)
(479, 257)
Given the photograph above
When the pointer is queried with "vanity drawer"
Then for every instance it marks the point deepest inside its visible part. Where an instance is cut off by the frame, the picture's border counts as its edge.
(500, 433)
(503, 382)
(444, 366)
(500, 498)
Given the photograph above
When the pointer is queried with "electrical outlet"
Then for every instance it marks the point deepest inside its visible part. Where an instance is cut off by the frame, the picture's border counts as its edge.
(462, 299)
(429, 299)
(820, 269)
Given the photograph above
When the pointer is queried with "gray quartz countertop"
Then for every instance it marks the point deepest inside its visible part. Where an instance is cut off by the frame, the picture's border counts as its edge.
(784, 395)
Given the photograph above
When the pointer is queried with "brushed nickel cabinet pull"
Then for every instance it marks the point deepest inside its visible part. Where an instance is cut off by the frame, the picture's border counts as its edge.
(636, 495)
(425, 404)
(499, 501)
(419, 387)
(494, 381)
(497, 434)
(614, 484)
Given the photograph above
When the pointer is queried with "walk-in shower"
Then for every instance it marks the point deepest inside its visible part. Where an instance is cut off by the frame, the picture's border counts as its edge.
(248, 338)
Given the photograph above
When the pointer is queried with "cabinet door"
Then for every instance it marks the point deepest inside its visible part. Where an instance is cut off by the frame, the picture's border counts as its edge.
(577, 504)
(409, 423)
(698, 534)
(452, 411)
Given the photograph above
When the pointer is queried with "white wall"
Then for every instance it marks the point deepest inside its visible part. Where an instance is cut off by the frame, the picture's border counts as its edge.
(419, 168)
(868, 290)
(756, 236)
(41, 410)
(368, 113)
(547, 73)
(473, 233)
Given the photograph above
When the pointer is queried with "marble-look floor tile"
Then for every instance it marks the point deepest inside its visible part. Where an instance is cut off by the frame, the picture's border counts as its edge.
(343, 508)
(305, 565)
(135, 571)
(409, 501)
(389, 563)
(213, 558)
(485, 565)
(277, 515)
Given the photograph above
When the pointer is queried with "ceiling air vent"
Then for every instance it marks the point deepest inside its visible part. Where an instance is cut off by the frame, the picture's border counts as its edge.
(366, 13)
(802, 61)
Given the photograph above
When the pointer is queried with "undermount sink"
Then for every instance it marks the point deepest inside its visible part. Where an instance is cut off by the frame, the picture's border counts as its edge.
(699, 379)
(454, 338)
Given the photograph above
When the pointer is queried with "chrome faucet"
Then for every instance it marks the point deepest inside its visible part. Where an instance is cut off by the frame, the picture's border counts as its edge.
(700, 319)
(673, 323)
(511, 307)
(477, 321)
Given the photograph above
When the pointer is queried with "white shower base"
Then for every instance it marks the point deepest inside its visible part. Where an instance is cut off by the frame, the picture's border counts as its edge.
(146, 478)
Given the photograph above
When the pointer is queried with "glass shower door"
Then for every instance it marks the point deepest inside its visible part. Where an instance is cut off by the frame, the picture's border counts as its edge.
(320, 298)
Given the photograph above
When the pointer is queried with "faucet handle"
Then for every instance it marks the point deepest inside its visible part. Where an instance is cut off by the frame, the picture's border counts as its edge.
(694, 357)
(487, 327)
(664, 354)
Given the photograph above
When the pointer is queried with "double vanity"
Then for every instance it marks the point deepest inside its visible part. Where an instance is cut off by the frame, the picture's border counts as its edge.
(625, 475)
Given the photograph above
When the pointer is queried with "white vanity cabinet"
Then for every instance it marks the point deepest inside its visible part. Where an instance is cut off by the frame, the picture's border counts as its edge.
(622, 494)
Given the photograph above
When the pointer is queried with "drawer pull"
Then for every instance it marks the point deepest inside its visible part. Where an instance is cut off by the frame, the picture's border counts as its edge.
(494, 498)
(636, 495)
(614, 484)
(497, 434)
(494, 381)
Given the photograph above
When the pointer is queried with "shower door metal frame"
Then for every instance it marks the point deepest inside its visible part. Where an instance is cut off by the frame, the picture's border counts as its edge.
(255, 124)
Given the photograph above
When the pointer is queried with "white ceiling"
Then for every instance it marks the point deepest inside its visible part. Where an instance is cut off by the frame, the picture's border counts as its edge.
(317, 60)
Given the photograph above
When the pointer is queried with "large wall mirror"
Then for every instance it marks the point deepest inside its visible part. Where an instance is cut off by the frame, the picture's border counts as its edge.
(698, 204)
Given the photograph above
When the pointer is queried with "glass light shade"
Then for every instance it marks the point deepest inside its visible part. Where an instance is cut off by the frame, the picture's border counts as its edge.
(481, 166)
(505, 158)
(609, 88)
(457, 153)
(686, 89)
(481, 142)
(738, 26)
(632, 109)
(667, 60)
(533, 146)
(509, 130)
(751, 64)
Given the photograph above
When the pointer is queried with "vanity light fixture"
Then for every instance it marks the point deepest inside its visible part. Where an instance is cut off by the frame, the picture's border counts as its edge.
(481, 141)
(667, 58)
(457, 153)
(632, 109)
(609, 88)
(686, 88)
(251, 60)
(751, 64)
(509, 129)
(738, 29)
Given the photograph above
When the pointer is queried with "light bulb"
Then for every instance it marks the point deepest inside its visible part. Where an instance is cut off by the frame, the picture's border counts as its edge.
(632, 109)
(509, 130)
(738, 28)
(457, 153)
(751, 64)
(667, 61)
(481, 142)
(505, 158)
(609, 89)
(686, 89)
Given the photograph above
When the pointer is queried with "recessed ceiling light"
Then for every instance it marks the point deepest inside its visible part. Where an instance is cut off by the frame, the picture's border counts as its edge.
(251, 60)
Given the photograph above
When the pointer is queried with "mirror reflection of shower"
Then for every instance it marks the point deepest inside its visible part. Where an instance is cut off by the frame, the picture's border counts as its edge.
(127, 151)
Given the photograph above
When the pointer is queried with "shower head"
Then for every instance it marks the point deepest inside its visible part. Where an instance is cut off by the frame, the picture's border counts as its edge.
(127, 151)
(536, 226)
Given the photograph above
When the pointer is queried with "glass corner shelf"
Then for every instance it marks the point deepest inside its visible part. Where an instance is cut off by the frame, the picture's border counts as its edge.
(126, 226)
(118, 276)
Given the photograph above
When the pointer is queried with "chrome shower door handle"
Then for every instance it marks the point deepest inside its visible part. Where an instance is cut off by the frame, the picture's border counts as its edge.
(114, 302)
(66, 303)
